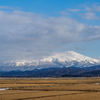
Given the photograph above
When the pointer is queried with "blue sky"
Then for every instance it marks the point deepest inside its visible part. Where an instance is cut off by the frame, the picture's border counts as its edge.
(33, 29)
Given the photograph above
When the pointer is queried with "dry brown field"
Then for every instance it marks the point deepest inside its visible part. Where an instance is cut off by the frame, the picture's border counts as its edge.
(50, 89)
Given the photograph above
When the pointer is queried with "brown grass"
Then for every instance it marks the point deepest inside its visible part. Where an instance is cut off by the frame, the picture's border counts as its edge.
(50, 89)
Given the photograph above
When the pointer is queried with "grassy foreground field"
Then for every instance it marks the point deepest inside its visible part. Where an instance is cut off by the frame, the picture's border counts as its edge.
(50, 89)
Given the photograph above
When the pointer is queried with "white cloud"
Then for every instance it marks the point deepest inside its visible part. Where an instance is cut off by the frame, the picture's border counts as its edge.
(89, 16)
(97, 8)
(91, 33)
(93, 8)
(88, 12)
(25, 35)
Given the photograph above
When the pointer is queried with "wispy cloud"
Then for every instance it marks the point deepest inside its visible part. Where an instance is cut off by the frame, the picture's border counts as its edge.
(64, 13)
(74, 10)
(93, 8)
(8, 7)
(88, 15)
(88, 12)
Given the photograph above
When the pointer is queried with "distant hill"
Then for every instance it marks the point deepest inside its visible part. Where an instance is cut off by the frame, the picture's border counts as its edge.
(54, 72)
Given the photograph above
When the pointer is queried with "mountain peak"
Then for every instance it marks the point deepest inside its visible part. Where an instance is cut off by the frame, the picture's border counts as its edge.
(70, 58)
(70, 51)
(62, 59)
(66, 56)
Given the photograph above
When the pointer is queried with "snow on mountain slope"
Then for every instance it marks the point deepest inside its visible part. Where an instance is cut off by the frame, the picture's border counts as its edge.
(66, 59)
(70, 58)
(22, 63)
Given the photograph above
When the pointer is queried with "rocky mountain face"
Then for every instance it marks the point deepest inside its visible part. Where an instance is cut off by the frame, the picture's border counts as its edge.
(58, 60)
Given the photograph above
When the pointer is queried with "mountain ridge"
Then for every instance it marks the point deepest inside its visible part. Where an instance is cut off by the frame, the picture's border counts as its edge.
(65, 59)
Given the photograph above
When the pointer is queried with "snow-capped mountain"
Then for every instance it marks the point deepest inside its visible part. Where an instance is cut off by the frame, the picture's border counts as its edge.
(70, 58)
(66, 59)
